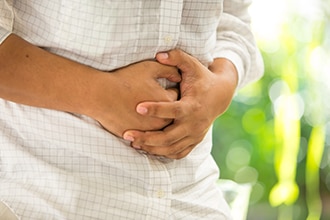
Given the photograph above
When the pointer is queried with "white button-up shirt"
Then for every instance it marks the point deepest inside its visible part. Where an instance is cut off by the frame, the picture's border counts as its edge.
(57, 165)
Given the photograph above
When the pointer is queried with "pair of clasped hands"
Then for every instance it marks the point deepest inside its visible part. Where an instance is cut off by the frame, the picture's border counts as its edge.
(170, 122)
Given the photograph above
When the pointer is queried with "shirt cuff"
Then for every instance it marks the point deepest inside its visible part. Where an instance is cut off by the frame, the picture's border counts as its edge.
(3, 34)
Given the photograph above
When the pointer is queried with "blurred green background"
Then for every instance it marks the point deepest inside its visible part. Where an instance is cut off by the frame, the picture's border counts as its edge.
(276, 133)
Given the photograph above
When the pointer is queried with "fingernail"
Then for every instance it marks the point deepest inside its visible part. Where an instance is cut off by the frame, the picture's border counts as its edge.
(142, 110)
(162, 55)
(128, 138)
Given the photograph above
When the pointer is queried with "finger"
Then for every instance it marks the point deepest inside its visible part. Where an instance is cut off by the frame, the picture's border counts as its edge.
(181, 154)
(172, 110)
(173, 93)
(169, 136)
(169, 73)
(175, 151)
(176, 58)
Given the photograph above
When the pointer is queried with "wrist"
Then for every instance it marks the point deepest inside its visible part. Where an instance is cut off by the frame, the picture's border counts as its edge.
(91, 100)
(226, 81)
(226, 68)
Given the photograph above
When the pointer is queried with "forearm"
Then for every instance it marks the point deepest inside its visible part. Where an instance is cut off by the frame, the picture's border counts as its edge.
(32, 76)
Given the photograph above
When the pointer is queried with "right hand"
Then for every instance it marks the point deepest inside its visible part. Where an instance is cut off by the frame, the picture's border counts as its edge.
(118, 94)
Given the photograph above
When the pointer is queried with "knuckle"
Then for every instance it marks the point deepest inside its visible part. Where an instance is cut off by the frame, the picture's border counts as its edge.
(168, 142)
(187, 131)
(154, 110)
(196, 106)
(139, 141)
(177, 111)
(173, 151)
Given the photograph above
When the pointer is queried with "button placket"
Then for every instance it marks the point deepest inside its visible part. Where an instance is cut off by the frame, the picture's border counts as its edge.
(170, 23)
(160, 188)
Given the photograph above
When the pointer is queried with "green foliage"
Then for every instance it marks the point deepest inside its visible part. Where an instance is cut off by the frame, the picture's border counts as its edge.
(274, 135)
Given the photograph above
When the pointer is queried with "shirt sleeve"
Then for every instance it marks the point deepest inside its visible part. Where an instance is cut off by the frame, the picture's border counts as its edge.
(3, 34)
(236, 42)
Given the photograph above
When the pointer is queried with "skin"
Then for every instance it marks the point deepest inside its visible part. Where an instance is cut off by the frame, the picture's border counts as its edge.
(151, 117)
(206, 93)
(32, 76)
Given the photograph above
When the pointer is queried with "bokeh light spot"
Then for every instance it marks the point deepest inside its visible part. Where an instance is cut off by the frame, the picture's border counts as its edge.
(253, 120)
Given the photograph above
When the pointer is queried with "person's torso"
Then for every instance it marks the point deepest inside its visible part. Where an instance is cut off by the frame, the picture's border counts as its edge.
(109, 34)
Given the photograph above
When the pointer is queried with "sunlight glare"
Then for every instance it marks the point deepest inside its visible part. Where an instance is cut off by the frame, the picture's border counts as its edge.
(267, 18)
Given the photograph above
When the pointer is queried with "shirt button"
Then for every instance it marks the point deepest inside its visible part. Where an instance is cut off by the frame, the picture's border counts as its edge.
(168, 39)
(160, 193)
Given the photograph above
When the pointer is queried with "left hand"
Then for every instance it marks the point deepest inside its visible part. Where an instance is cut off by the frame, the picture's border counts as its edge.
(205, 94)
